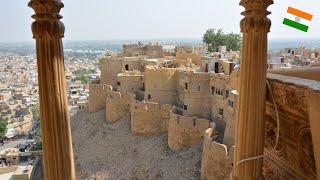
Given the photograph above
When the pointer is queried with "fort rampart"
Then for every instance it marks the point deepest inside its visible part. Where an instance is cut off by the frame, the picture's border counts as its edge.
(148, 118)
(184, 132)
(97, 96)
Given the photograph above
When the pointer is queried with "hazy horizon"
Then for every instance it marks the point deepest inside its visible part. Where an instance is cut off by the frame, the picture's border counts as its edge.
(144, 19)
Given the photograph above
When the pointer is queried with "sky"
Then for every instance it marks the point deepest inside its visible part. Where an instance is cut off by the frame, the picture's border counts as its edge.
(150, 19)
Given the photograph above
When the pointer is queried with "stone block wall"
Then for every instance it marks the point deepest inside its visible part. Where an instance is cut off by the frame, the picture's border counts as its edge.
(196, 58)
(118, 105)
(231, 112)
(127, 82)
(194, 93)
(110, 68)
(97, 96)
(184, 132)
(160, 85)
(221, 96)
(217, 161)
(149, 118)
(131, 63)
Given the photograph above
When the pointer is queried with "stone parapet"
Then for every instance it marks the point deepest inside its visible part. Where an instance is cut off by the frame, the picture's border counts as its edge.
(148, 118)
(184, 132)
(118, 105)
(97, 96)
(216, 163)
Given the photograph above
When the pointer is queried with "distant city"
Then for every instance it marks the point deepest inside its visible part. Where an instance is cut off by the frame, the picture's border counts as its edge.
(96, 49)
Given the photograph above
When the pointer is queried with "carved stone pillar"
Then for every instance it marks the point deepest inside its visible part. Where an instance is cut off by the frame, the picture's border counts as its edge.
(55, 124)
(252, 95)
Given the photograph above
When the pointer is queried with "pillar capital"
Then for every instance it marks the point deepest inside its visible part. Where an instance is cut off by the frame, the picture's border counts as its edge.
(255, 13)
(47, 19)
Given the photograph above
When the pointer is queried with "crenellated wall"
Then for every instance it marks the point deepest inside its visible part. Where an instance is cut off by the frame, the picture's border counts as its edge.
(217, 161)
(148, 118)
(184, 132)
(97, 96)
(118, 105)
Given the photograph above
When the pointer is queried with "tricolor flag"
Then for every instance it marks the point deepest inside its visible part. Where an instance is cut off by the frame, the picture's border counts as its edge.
(297, 19)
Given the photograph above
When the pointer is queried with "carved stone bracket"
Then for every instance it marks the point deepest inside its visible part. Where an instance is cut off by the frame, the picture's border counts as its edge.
(255, 16)
(47, 19)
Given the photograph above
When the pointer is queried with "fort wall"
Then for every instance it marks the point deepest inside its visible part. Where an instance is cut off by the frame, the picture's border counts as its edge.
(97, 96)
(118, 105)
(150, 50)
(129, 83)
(193, 89)
(131, 64)
(217, 161)
(196, 58)
(220, 91)
(184, 132)
(231, 111)
(148, 118)
(160, 85)
(110, 68)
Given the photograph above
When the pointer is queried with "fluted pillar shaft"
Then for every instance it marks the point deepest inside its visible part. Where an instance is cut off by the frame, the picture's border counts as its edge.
(252, 95)
(55, 124)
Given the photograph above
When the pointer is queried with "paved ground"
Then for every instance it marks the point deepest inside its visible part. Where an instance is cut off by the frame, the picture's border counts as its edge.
(13, 143)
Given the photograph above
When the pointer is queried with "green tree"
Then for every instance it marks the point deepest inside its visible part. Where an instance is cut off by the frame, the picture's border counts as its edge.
(234, 41)
(36, 113)
(37, 140)
(36, 127)
(83, 78)
(216, 37)
(3, 126)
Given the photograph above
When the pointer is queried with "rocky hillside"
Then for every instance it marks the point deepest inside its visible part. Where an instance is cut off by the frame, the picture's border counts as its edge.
(110, 151)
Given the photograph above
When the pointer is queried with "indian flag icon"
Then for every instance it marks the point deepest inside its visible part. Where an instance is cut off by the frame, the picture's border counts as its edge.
(297, 19)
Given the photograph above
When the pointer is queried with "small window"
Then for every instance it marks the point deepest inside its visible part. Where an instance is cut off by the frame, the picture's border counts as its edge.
(199, 87)
(212, 90)
(227, 94)
(149, 96)
(220, 111)
(185, 107)
(118, 83)
(126, 67)
(186, 85)
(230, 103)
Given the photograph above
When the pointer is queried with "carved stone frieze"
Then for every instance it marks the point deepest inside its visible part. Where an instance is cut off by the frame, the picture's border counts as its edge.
(293, 157)
(289, 98)
(271, 134)
(305, 149)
